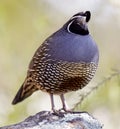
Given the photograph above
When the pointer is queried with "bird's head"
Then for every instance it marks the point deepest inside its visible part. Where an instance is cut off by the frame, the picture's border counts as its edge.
(78, 23)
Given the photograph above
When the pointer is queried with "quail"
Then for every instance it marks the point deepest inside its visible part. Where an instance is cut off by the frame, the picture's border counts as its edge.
(66, 61)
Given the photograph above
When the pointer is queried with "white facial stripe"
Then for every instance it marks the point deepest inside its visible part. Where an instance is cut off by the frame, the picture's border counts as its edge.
(69, 26)
(76, 17)
(82, 19)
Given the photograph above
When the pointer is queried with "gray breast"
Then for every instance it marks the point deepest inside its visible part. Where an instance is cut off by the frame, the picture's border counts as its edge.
(73, 48)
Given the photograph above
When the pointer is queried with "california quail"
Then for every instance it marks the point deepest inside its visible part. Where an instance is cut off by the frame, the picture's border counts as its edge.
(66, 61)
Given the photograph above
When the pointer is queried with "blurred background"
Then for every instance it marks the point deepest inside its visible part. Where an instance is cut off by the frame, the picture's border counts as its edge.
(25, 24)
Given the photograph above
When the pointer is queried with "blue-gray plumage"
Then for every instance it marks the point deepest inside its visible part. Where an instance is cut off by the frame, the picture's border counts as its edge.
(73, 48)
(66, 61)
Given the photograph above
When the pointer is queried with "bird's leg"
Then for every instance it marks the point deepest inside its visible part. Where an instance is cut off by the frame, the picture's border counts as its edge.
(56, 112)
(64, 104)
(52, 102)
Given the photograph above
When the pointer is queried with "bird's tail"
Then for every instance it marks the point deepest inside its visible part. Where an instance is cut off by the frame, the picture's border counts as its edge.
(25, 91)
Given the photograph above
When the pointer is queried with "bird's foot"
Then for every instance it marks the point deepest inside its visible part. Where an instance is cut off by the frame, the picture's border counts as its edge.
(58, 112)
(65, 110)
(61, 112)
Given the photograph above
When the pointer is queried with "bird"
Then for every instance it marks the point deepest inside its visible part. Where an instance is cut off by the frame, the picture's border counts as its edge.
(66, 61)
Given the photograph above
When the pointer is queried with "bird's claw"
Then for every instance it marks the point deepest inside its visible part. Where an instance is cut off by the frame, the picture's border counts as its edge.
(65, 110)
